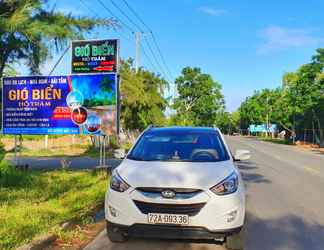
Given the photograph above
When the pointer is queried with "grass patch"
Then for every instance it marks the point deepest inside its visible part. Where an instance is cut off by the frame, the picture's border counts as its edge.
(33, 202)
(276, 140)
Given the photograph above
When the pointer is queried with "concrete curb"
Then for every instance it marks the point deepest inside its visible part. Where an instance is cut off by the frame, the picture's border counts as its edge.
(39, 243)
(43, 241)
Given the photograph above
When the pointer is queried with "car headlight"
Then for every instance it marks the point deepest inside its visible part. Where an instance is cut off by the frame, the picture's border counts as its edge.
(227, 186)
(117, 183)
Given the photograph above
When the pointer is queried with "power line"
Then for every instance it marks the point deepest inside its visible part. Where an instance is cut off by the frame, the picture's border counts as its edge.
(153, 36)
(136, 15)
(129, 28)
(140, 29)
(113, 15)
(148, 59)
(154, 57)
(125, 15)
(161, 55)
(97, 14)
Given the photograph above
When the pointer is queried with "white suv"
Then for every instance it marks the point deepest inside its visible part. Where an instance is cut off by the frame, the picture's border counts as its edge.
(178, 183)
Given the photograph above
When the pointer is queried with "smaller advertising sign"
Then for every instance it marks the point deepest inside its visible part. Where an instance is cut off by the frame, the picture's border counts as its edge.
(263, 128)
(94, 56)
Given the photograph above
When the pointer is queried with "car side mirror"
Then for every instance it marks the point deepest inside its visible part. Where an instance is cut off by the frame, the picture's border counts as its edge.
(119, 153)
(242, 155)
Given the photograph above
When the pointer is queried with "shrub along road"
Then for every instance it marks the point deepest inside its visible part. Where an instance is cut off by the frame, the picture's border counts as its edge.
(35, 202)
(284, 202)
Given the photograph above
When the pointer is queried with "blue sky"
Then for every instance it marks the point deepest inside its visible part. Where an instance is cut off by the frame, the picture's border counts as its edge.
(244, 45)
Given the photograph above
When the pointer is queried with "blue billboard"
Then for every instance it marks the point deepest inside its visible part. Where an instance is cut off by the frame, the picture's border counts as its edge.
(39, 105)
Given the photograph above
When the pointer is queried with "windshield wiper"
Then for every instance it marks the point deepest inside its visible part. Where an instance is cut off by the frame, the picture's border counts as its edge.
(135, 158)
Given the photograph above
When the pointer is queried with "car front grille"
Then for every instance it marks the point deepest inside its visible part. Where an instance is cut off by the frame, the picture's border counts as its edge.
(180, 193)
(189, 209)
(177, 190)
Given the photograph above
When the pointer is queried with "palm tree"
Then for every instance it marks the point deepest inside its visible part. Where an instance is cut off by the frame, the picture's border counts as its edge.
(31, 32)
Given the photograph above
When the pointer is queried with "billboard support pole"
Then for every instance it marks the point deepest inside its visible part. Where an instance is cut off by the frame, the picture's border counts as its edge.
(46, 141)
(104, 152)
(15, 153)
(100, 151)
(17, 149)
(59, 60)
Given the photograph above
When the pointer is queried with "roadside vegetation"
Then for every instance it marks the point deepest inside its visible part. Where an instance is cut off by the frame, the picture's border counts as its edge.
(297, 106)
(199, 99)
(34, 202)
(58, 146)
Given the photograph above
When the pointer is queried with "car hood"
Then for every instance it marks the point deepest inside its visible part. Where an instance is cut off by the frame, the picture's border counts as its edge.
(200, 175)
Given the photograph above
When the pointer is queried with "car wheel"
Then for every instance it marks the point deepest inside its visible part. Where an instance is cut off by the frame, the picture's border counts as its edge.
(115, 235)
(236, 241)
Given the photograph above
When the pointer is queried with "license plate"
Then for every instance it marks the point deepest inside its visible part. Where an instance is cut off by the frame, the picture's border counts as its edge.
(173, 219)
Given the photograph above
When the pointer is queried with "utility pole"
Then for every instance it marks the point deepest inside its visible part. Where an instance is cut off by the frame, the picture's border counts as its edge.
(138, 50)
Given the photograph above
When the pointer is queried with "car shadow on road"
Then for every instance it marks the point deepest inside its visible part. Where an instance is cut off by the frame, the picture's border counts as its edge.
(248, 172)
(155, 244)
(287, 232)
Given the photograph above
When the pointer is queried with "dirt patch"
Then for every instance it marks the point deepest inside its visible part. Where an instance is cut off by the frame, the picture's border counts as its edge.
(78, 237)
(53, 143)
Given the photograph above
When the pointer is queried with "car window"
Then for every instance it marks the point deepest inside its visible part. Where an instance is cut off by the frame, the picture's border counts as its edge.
(180, 146)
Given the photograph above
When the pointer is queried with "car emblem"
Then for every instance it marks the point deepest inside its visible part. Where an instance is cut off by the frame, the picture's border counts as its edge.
(168, 194)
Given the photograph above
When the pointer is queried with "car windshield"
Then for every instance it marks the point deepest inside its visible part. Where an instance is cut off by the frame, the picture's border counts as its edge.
(174, 145)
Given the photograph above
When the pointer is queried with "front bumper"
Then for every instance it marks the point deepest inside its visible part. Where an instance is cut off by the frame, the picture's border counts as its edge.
(214, 216)
(172, 232)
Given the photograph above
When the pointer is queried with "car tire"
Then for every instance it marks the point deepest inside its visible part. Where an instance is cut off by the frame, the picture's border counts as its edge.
(236, 241)
(115, 235)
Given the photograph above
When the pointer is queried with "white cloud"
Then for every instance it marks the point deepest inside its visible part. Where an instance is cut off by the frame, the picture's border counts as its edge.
(278, 38)
(213, 12)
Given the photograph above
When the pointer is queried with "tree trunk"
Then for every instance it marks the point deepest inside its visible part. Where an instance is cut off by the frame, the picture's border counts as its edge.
(3, 59)
(320, 132)
(2, 66)
(285, 127)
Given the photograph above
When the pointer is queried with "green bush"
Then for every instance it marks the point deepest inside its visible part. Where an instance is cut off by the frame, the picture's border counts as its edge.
(113, 142)
(11, 177)
(2, 151)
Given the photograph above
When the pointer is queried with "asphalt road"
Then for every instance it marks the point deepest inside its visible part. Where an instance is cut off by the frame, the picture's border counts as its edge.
(285, 202)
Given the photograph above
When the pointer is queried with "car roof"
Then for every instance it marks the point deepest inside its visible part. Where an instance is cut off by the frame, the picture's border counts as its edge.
(183, 129)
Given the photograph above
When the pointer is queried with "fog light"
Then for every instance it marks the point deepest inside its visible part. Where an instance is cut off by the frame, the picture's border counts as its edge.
(112, 211)
(231, 216)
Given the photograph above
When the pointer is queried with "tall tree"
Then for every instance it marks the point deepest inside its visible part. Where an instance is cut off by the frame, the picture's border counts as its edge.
(199, 98)
(305, 92)
(30, 32)
(142, 101)
(228, 122)
(297, 105)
